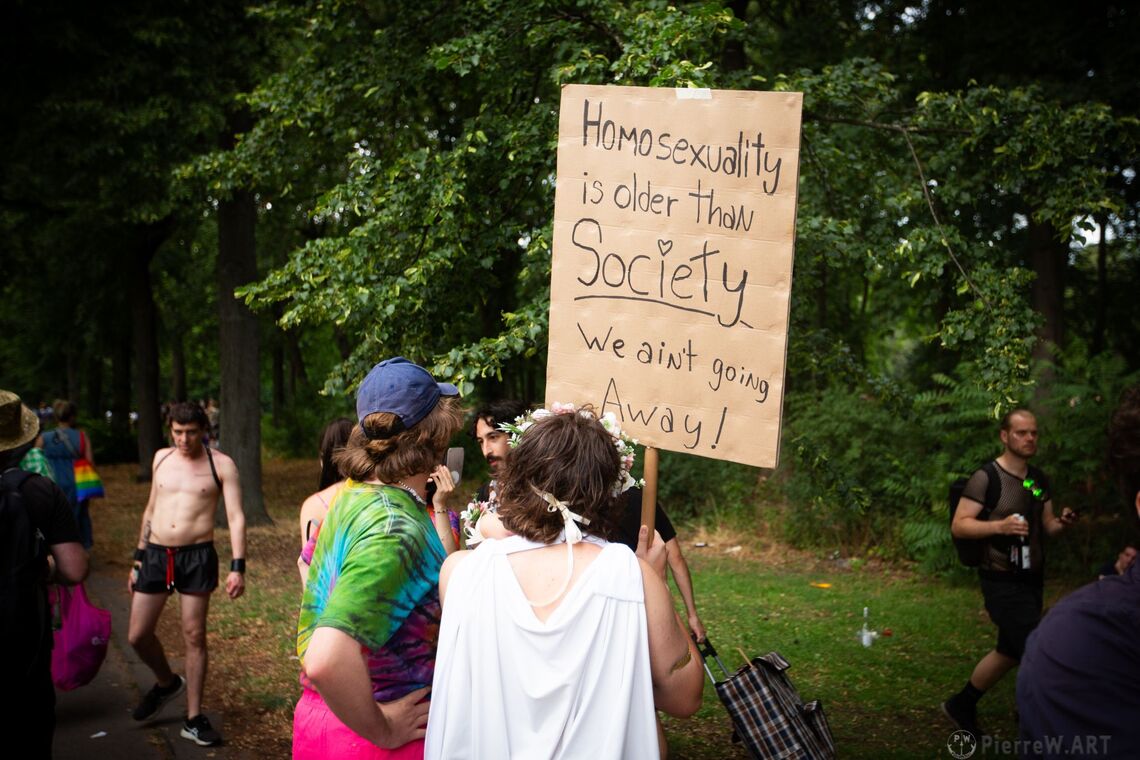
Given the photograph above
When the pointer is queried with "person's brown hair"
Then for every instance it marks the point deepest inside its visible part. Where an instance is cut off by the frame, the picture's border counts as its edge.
(333, 437)
(189, 413)
(398, 455)
(571, 457)
(64, 410)
(496, 412)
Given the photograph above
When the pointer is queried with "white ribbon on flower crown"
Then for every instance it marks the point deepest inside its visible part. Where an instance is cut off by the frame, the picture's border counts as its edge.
(573, 532)
(573, 536)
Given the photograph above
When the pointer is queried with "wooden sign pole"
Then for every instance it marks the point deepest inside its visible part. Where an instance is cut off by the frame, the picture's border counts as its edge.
(649, 492)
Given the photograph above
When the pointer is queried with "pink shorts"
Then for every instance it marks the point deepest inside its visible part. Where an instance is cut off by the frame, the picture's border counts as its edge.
(318, 734)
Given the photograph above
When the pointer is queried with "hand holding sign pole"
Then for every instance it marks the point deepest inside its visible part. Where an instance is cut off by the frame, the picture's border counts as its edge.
(673, 243)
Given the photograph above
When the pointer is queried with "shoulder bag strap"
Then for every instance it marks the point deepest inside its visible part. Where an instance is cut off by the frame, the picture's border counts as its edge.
(66, 439)
(209, 457)
(159, 462)
(213, 470)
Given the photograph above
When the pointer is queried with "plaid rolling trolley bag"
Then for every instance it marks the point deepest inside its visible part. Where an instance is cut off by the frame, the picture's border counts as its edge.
(768, 716)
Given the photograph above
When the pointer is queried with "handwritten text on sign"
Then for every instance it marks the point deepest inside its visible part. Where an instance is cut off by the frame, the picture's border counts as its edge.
(673, 246)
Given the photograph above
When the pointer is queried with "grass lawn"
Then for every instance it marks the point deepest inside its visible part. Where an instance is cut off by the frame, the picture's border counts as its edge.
(882, 701)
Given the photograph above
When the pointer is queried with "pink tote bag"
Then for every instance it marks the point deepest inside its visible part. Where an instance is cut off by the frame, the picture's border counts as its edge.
(81, 641)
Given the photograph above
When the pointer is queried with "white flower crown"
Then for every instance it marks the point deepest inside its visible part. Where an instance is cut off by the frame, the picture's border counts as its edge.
(624, 444)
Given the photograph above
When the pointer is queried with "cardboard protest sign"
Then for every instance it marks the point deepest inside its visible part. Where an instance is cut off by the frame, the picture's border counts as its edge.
(674, 228)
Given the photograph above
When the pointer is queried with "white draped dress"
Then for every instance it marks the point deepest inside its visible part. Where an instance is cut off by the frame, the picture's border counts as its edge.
(577, 685)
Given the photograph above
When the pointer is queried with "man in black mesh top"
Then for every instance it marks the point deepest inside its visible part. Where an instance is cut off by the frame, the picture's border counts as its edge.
(1013, 563)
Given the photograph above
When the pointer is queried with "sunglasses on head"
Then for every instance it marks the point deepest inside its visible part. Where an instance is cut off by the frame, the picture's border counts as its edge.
(1029, 484)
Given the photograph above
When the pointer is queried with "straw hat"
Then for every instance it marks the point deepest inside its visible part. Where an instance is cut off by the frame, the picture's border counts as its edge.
(18, 423)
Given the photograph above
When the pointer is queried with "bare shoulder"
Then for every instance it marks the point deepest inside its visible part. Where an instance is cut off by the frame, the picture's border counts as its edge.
(160, 455)
(448, 567)
(312, 502)
(223, 462)
(451, 563)
(317, 504)
(330, 492)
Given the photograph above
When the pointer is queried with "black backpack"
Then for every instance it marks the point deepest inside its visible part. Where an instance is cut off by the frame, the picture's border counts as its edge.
(970, 549)
(23, 552)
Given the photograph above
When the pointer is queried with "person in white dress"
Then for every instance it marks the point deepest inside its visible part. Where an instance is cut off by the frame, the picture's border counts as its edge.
(555, 644)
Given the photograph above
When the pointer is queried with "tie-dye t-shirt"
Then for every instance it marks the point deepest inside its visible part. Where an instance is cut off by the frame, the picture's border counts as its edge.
(375, 576)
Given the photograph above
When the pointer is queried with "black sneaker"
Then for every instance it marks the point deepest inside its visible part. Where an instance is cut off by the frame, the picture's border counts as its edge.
(158, 696)
(199, 731)
(964, 718)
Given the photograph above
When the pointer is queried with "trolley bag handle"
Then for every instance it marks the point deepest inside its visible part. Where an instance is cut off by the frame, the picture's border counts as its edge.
(707, 650)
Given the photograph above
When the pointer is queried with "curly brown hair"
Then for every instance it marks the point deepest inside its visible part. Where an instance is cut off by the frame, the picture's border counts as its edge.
(408, 452)
(571, 457)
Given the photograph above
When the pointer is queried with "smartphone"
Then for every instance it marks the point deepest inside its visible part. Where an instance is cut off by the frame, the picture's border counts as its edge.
(453, 460)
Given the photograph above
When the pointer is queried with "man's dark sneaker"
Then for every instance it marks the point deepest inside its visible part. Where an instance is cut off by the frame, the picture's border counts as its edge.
(964, 718)
(158, 696)
(199, 731)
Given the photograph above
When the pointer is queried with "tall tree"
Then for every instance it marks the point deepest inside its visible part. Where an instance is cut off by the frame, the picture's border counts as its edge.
(110, 106)
(240, 349)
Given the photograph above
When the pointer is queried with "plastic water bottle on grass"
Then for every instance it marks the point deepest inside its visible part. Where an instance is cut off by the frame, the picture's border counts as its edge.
(866, 635)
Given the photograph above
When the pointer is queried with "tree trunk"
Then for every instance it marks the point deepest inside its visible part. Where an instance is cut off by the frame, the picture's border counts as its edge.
(71, 359)
(343, 345)
(1101, 306)
(239, 352)
(1048, 256)
(94, 405)
(734, 56)
(177, 367)
(278, 404)
(143, 316)
(121, 385)
(297, 373)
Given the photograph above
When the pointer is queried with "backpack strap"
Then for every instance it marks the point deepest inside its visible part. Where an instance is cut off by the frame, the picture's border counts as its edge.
(12, 481)
(22, 577)
(993, 490)
(13, 478)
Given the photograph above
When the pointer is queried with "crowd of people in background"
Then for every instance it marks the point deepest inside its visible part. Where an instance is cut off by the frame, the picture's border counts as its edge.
(546, 628)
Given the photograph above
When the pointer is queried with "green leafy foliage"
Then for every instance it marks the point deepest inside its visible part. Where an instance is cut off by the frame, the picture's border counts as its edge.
(403, 156)
(709, 489)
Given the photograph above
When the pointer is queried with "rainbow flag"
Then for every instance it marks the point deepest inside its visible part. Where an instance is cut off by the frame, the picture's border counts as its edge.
(88, 485)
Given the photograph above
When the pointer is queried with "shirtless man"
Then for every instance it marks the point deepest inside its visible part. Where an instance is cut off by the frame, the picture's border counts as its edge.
(176, 553)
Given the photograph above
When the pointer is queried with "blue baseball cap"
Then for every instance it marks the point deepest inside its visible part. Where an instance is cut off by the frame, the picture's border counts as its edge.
(397, 386)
